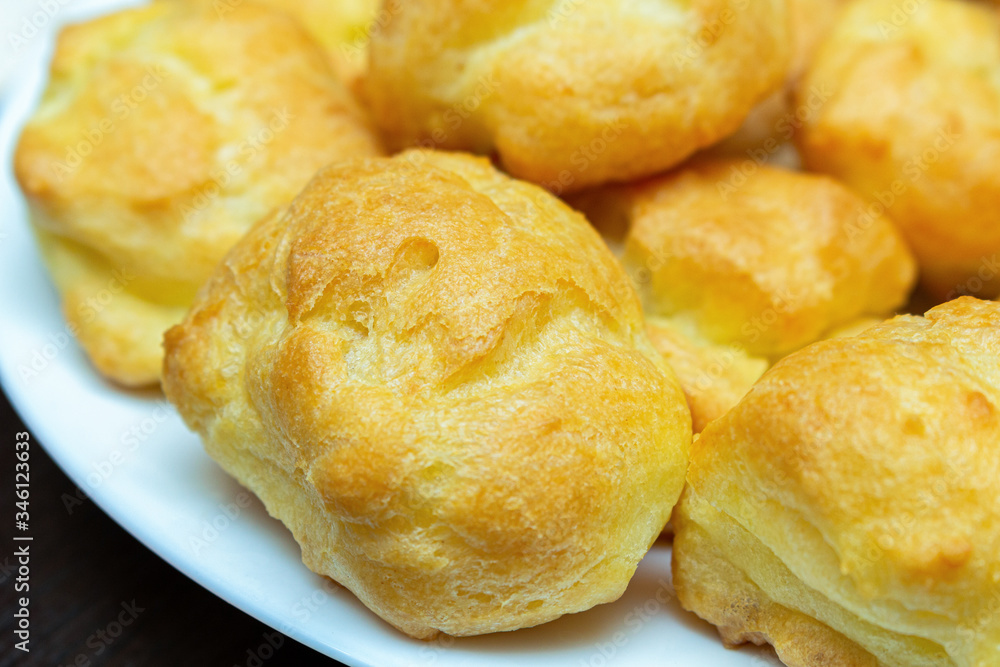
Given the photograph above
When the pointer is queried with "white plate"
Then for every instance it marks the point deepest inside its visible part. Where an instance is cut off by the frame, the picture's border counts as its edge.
(132, 455)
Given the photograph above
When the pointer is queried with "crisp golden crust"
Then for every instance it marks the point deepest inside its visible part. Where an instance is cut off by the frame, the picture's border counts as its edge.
(726, 577)
(572, 94)
(164, 133)
(439, 379)
(735, 270)
(912, 122)
(722, 594)
(856, 485)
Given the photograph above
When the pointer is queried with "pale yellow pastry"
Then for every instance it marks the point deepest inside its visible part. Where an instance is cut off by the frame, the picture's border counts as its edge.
(572, 94)
(855, 327)
(164, 133)
(748, 267)
(343, 27)
(912, 123)
(714, 377)
(847, 511)
(439, 379)
(811, 21)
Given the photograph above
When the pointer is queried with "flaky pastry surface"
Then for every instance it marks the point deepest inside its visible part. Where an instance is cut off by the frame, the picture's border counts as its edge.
(439, 379)
(847, 510)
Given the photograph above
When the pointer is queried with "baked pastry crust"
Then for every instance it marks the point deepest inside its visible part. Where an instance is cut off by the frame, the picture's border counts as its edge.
(439, 379)
(163, 135)
(736, 270)
(573, 94)
(847, 510)
(912, 122)
(342, 27)
(769, 261)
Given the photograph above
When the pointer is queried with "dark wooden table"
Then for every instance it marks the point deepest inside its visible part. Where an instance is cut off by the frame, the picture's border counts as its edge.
(99, 597)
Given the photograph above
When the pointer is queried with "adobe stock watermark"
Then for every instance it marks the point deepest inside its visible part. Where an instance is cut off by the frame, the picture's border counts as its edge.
(224, 7)
(562, 11)
(270, 643)
(970, 630)
(356, 50)
(121, 109)
(987, 273)
(456, 115)
(129, 443)
(586, 154)
(881, 201)
(784, 301)
(41, 357)
(308, 605)
(708, 34)
(102, 638)
(211, 529)
(784, 129)
(632, 623)
(902, 13)
(246, 152)
(959, 476)
(34, 23)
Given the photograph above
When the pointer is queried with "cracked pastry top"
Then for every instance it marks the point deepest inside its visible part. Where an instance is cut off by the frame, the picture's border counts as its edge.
(439, 378)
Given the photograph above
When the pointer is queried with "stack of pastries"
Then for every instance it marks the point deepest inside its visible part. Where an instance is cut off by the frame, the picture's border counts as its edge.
(687, 288)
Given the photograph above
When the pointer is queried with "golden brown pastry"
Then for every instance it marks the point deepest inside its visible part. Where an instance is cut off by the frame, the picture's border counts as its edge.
(439, 379)
(342, 27)
(572, 94)
(163, 135)
(748, 267)
(847, 510)
(912, 123)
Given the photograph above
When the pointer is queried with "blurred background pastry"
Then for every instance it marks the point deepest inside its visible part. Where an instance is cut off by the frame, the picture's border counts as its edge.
(439, 379)
(164, 133)
(342, 27)
(846, 511)
(766, 134)
(576, 93)
(911, 121)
